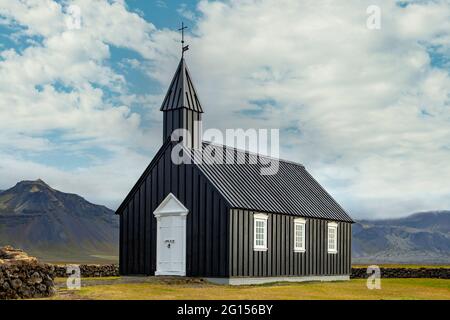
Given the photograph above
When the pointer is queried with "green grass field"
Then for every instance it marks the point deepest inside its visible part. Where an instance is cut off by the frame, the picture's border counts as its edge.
(117, 288)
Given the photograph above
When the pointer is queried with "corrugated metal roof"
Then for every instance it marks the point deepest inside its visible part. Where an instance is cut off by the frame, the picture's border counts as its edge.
(291, 190)
(181, 93)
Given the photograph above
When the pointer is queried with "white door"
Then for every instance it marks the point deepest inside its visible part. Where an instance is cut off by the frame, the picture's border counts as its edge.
(171, 237)
(171, 256)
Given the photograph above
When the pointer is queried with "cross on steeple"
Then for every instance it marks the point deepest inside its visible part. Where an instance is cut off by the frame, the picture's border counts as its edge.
(183, 47)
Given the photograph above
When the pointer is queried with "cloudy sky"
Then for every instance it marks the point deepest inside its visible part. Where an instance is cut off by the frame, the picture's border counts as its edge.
(367, 111)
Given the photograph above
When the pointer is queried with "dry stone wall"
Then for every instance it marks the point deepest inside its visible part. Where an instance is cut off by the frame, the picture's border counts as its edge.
(112, 270)
(23, 277)
(89, 270)
(437, 273)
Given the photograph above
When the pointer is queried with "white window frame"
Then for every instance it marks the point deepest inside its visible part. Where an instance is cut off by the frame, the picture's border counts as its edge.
(259, 217)
(332, 226)
(302, 223)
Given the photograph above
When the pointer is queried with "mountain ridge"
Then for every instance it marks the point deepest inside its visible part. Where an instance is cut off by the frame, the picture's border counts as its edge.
(64, 227)
(422, 237)
(55, 225)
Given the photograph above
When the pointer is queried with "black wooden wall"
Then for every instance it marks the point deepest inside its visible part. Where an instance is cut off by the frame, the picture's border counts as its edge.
(207, 221)
(220, 239)
(182, 118)
(280, 258)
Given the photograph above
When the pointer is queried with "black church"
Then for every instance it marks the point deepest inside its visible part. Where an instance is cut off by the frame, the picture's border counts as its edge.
(228, 222)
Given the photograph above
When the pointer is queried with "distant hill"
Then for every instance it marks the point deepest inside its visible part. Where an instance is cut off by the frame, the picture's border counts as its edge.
(419, 238)
(57, 226)
(62, 227)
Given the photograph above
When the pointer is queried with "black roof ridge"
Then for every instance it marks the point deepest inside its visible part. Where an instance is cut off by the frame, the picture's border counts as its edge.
(254, 153)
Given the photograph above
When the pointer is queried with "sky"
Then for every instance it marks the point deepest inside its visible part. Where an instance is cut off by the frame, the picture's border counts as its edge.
(366, 110)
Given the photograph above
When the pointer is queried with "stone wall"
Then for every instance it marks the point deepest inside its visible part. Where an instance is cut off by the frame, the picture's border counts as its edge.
(439, 273)
(89, 270)
(112, 270)
(22, 276)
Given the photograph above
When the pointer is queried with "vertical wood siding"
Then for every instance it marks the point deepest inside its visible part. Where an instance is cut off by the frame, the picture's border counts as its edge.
(182, 118)
(219, 240)
(207, 250)
(280, 258)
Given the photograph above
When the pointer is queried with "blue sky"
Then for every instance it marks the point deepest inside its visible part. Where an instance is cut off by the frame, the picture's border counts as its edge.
(367, 111)
(163, 14)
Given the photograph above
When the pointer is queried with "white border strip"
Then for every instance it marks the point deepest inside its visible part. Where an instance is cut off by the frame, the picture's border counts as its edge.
(251, 280)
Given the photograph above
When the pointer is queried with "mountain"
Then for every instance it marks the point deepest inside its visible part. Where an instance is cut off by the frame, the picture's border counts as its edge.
(57, 226)
(62, 227)
(419, 238)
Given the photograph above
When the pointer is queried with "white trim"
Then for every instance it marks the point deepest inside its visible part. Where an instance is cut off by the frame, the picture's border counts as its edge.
(332, 225)
(176, 209)
(170, 273)
(179, 210)
(301, 222)
(261, 280)
(261, 218)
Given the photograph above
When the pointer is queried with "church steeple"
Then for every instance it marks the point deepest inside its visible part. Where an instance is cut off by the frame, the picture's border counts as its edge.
(182, 108)
(181, 93)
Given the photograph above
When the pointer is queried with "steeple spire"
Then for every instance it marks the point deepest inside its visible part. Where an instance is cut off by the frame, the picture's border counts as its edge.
(182, 108)
(181, 93)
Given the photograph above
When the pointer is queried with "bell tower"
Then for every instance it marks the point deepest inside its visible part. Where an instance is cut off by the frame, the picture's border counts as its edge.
(181, 106)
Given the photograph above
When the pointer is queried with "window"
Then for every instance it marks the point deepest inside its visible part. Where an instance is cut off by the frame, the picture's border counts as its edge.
(260, 232)
(299, 235)
(332, 237)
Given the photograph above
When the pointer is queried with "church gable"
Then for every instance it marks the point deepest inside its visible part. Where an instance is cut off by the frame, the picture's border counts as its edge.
(207, 218)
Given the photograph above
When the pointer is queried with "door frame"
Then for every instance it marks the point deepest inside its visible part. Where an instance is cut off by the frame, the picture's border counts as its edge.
(171, 206)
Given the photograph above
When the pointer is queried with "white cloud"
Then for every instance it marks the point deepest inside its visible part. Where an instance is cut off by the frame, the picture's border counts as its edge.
(40, 17)
(58, 86)
(114, 175)
(372, 112)
(184, 11)
(365, 110)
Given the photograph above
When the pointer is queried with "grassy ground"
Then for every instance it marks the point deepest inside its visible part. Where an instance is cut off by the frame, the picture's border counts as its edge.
(153, 289)
(88, 259)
